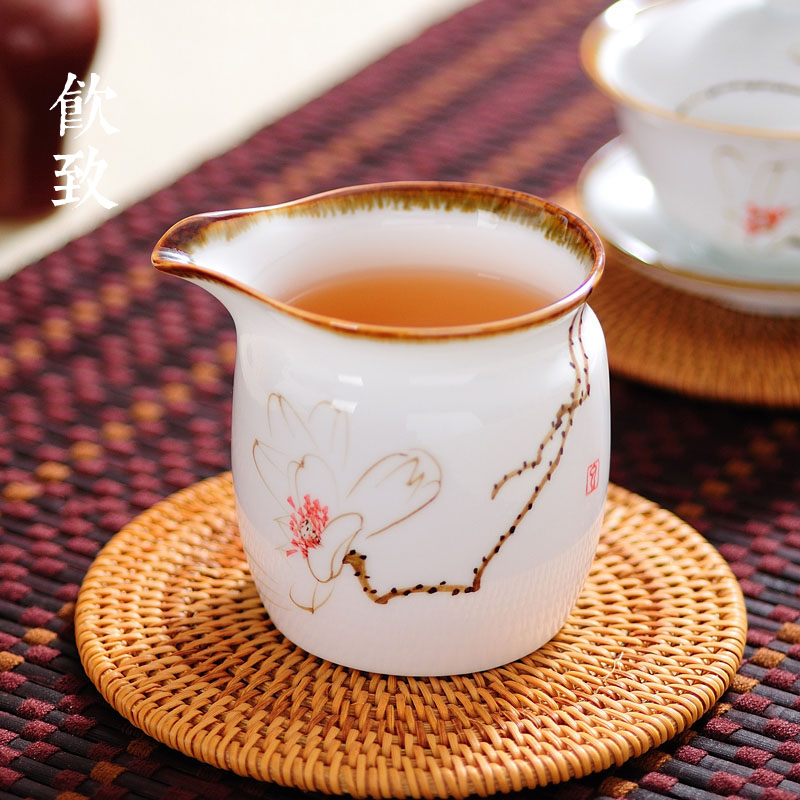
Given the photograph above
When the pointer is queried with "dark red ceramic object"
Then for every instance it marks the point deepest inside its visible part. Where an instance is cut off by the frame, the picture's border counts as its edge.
(41, 42)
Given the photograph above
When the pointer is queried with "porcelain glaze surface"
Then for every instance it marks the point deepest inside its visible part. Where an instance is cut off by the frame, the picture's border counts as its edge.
(412, 502)
(619, 201)
(708, 96)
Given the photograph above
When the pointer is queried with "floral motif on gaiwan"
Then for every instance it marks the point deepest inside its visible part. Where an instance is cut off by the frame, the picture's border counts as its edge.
(762, 219)
(762, 197)
(324, 516)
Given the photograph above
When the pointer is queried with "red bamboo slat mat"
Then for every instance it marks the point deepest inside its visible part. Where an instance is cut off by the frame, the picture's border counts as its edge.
(116, 386)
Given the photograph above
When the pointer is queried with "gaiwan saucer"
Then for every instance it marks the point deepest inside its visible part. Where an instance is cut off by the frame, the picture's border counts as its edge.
(618, 200)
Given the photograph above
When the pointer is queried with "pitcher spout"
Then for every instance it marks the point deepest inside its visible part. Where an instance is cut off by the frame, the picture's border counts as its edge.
(184, 249)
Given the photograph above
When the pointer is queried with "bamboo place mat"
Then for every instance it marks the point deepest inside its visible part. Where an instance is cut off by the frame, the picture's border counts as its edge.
(115, 391)
(171, 630)
(687, 344)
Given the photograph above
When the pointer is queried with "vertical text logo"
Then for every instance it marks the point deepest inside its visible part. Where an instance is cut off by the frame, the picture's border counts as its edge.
(592, 476)
(80, 108)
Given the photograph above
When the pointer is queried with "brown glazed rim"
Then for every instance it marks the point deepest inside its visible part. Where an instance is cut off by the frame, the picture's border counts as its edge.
(599, 29)
(172, 254)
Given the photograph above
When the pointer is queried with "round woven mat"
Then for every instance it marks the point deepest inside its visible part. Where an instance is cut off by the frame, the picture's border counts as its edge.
(678, 341)
(172, 632)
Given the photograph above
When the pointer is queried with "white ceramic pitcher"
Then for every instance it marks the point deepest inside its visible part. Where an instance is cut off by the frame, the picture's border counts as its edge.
(419, 501)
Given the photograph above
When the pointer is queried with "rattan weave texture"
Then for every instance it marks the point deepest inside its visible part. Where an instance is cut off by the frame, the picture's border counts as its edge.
(682, 342)
(171, 630)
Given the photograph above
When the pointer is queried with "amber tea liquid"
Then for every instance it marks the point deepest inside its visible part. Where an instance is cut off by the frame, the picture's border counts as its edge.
(419, 297)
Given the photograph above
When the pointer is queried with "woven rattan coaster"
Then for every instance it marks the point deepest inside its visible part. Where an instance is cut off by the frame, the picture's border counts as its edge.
(171, 630)
(678, 341)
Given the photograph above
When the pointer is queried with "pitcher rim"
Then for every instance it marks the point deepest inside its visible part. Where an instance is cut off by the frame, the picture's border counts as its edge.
(173, 259)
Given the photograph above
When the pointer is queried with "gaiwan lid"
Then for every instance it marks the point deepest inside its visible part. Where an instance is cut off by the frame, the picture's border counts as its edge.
(726, 62)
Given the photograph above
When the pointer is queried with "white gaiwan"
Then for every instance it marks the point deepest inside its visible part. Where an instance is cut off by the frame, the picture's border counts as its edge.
(708, 97)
